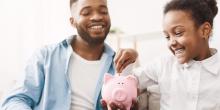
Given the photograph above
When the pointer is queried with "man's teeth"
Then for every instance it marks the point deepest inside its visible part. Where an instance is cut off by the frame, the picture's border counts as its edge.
(96, 27)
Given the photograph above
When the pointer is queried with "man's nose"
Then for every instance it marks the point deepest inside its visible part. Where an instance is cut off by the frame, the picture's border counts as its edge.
(96, 17)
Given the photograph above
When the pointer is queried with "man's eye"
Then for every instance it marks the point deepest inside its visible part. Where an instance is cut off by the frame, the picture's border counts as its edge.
(104, 11)
(86, 12)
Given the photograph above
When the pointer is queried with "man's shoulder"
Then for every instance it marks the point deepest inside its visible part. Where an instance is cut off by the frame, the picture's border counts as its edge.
(55, 46)
(51, 49)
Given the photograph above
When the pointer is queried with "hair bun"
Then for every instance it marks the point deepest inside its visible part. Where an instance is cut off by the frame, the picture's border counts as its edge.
(213, 6)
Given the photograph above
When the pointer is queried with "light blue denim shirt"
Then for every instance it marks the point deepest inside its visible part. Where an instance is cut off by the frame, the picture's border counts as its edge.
(46, 84)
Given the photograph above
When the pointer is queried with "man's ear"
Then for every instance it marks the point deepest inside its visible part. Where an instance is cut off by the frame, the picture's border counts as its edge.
(206, 30)
(72, 21)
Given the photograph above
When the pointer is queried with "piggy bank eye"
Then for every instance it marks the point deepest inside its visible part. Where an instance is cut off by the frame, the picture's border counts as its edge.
(122, 83)
(118, 83)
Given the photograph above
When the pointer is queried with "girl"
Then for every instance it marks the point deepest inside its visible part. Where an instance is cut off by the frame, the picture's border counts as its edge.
(190, 79)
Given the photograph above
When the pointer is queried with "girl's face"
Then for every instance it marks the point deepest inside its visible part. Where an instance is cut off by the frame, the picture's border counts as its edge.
(185, 40)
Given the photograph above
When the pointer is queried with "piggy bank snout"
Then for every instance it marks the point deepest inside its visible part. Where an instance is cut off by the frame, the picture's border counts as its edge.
(119, 94)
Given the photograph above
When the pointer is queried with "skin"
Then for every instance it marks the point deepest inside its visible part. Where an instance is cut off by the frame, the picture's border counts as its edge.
(91, 20)
(124, 57)
(186, 40)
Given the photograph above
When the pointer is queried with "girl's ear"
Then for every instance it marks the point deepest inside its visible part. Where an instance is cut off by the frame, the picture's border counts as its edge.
(206, 29)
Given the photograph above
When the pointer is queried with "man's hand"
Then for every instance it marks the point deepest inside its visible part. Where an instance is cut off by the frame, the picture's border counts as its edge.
(104, 104)
(119, 106)
(124, 57)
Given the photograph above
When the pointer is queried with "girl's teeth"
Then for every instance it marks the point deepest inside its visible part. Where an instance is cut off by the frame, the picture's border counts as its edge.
(179, 51)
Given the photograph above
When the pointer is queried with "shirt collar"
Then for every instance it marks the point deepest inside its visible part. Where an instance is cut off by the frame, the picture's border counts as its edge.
(211, 64)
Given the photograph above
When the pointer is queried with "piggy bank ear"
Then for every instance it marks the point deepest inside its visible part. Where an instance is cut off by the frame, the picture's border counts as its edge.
(107, 77)
(132, 78)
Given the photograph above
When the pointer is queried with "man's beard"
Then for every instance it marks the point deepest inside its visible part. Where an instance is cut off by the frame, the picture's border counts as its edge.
(90, 40)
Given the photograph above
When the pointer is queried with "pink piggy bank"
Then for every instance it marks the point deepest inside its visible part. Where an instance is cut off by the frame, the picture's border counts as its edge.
(119, 89)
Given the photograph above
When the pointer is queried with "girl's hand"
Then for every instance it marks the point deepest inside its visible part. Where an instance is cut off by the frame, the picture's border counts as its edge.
(124, 57)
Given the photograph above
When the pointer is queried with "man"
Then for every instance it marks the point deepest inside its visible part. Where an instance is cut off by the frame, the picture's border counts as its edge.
(68, 75)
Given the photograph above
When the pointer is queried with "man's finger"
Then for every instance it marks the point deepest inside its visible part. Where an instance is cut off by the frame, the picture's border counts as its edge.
(104, 104)
(113, 106)
(134, 105)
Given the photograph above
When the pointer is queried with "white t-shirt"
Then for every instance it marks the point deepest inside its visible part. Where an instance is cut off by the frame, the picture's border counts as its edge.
(83, 76)
(191, 86)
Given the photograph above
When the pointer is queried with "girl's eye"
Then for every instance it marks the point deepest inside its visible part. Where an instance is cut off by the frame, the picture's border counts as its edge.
(167, 37)
(178, 34)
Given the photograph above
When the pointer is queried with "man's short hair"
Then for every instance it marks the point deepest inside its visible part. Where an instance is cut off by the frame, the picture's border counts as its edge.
(72, 1)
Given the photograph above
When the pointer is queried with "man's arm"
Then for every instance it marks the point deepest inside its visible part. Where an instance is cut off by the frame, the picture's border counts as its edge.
(27, 93)
(16, 103)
